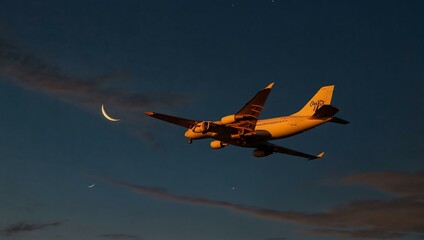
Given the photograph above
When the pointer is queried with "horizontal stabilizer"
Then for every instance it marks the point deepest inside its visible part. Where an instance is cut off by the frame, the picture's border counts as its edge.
(339, 120)
(325, 112)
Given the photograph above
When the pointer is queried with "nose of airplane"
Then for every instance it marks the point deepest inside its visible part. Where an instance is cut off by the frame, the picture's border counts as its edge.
(187, 134)
(192, 135)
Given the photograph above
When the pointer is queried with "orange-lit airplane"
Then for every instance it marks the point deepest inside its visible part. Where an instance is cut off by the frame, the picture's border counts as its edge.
(244, 129)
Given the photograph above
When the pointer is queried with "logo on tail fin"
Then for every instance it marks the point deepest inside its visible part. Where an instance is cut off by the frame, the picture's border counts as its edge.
(316, 105)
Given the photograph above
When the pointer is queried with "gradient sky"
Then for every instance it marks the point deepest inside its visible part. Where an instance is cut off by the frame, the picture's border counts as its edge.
(59, 61)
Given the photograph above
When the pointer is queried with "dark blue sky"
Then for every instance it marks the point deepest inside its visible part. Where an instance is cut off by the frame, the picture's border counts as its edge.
(59, 61)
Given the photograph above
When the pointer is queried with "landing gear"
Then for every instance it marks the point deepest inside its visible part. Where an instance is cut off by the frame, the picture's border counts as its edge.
(190, 141)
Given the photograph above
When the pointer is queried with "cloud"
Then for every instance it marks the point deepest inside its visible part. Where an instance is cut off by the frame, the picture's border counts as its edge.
(371, 218)
(24, 227)
(373, 233)
(34, 73)
(120, 236)
(409, 185)
(361, 218)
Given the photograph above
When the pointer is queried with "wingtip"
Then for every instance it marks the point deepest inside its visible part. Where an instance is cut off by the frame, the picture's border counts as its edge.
(320, 155)
(149, 113)
(269, 86)
(317, 156)
(329, 86)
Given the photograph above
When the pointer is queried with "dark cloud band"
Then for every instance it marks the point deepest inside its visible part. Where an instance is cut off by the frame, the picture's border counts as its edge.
(392, 218)
(25, 227)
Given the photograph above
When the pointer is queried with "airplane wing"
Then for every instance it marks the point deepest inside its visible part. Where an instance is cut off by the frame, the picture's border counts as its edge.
(249, 114)
(280, 149)
(187, 123)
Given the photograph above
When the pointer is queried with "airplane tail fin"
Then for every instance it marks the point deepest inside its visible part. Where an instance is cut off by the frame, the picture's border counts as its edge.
(321, 98)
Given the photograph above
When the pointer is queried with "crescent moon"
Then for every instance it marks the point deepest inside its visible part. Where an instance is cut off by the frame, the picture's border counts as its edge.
(107, 116)
(91, 185)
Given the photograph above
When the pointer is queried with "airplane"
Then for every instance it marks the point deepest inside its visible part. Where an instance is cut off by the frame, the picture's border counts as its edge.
(244, 129)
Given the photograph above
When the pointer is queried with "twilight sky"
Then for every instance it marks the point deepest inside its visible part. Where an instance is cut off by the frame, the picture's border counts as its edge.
(59, 61)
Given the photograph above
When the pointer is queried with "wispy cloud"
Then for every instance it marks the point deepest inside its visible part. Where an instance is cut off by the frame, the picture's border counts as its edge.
(360, 219)
(25, 227)
(409, 185)
(369, 233)
(120, 236)
(34, 73)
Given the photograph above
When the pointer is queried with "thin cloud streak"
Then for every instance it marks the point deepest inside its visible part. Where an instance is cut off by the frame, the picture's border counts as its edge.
(369, 218)
(373, 233)
(164, 195)
(24, 227)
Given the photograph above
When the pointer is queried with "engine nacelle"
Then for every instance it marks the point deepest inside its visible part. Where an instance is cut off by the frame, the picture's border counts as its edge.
(218, 144)
(228, 119)
(261, 152)
(202, 127)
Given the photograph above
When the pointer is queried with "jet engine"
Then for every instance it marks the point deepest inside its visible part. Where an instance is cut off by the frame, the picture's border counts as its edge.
(202, 127)
(261, 152)
(228, 119)
(218, 144)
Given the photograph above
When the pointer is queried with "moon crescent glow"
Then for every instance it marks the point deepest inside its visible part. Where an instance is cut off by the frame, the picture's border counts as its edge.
(107, 116)
(91, 185)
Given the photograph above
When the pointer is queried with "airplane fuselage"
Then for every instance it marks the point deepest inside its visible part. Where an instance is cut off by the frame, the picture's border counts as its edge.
(282, 127)
(265, 130)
